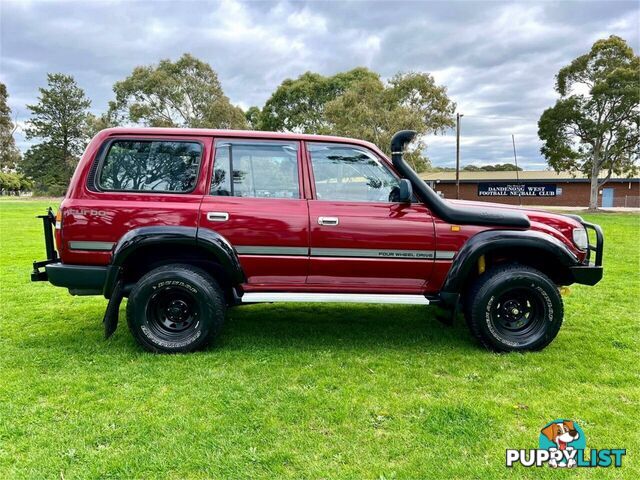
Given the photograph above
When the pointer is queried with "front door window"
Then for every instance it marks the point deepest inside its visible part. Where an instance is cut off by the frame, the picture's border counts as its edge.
(350, 174)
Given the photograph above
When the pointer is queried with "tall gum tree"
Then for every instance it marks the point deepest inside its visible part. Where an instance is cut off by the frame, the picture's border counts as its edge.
(374, 110)
(184, 93)
(358, 103)
(594, 125)
(298, 105)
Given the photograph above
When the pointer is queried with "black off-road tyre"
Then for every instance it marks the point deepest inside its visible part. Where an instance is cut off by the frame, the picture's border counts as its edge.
(175, 309)
(514, 308)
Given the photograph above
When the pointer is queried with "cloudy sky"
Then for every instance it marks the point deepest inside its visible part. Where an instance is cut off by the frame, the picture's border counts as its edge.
(498, 59)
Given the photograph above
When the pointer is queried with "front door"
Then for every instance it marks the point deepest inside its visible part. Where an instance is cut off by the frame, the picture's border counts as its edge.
(361, 239)
(255, 201)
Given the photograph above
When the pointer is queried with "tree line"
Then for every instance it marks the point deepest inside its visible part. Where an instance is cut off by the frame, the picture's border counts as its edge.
(498, 167)
(188, 93)
(592, 128)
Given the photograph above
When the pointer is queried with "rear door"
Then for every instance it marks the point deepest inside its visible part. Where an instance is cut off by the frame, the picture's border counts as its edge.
(361, 238)
(255, 200)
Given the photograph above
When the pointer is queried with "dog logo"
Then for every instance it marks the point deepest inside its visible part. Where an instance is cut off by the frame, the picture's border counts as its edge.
(562, 435)
(562, 444)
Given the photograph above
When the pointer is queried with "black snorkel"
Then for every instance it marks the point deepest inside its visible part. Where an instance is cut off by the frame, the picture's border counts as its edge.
(442, 208)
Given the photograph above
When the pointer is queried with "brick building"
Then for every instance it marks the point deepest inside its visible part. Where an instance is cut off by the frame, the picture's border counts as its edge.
(535, 188)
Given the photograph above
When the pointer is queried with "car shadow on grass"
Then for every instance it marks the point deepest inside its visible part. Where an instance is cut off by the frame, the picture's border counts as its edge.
(281, 326)
(323, 326)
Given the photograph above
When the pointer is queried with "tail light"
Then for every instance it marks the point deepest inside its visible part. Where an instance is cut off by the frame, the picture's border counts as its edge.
(59, 219)
(58, 230)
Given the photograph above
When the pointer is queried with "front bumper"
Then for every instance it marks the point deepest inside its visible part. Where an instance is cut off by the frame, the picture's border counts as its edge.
(586, 274)
(589, 273)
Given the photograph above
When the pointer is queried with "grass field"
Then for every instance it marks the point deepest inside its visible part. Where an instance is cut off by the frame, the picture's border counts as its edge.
(307, 391)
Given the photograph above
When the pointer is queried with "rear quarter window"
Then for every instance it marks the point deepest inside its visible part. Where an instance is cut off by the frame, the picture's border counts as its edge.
(150, 166)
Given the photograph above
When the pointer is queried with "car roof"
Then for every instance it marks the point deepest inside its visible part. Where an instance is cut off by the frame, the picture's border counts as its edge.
(209, 132)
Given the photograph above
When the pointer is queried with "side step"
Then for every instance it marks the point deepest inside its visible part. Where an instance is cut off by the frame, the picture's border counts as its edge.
(268, 297)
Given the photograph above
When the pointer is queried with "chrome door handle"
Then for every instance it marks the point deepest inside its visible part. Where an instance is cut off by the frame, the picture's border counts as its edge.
(217, 216)
(329, 221)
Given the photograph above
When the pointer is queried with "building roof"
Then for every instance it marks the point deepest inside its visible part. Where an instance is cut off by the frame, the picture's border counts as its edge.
(527, 175)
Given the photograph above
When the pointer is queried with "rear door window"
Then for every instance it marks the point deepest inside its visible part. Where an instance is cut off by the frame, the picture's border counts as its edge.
(256, 169)
(150, 166)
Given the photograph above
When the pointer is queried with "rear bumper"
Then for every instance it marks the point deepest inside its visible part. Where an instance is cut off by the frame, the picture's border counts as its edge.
(79, 279)
(76, 277)
(48, 222)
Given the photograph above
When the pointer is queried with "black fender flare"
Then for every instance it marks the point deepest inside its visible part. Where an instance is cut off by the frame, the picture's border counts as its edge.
(490, 240)
(211, 241)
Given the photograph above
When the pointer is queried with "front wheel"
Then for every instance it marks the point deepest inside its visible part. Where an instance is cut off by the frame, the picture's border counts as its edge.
(514, 308)
(175, 308)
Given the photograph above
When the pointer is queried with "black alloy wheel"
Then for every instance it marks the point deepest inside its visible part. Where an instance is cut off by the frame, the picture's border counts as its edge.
(514, 307)
(175, 308)
(518, 313)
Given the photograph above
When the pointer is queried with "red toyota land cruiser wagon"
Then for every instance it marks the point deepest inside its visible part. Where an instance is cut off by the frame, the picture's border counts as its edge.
(188, 222)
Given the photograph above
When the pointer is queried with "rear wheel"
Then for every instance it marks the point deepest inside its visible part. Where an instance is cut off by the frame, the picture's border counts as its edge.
(514, 308)
(175, 308)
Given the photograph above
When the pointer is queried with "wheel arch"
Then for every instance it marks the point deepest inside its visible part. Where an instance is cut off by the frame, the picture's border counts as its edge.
(531, 248)
(144, 248)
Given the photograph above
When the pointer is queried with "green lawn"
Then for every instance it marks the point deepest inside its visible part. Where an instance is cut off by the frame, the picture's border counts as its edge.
(307, 391)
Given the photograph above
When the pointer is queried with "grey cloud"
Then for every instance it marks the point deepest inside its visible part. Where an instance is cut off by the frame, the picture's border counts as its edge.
(498, 59)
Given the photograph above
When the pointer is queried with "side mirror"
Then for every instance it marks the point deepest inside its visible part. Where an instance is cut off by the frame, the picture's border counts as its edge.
(406, 191)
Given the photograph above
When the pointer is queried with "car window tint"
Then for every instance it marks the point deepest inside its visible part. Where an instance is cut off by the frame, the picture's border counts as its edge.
(150, 165)
(345, 173)
(260, 170)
